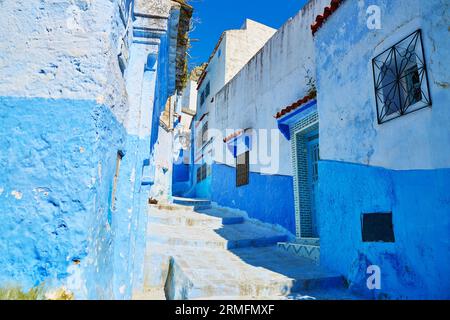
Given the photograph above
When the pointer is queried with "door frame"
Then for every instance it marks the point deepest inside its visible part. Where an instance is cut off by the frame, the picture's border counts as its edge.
(312, 142)
(302, 192)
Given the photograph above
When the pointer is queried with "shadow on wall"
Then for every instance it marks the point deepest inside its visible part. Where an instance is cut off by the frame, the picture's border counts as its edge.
(269, 198)
(416, 265)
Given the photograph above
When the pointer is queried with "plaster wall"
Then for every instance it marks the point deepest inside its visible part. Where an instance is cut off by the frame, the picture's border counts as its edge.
(274, 78)
(241, 45)
(419, 140)
(234, 50)
(400, 166)
(65, 114)
(63, 50)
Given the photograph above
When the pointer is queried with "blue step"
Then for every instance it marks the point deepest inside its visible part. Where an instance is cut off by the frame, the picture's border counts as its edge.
(197, 203)
(256, 242)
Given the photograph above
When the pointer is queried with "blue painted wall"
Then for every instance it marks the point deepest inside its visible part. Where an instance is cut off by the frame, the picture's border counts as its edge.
(180, 173)
(161, 90)
(269, 198)
(400, 166)
(417, 264)
(56, 185)
(58, 156)
(129, 218)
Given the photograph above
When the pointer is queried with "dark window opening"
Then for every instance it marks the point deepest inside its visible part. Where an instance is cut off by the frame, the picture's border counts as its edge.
(377, 227)
(207, 90)
(203, 172)
(202, 98)
(400, 79)
(242, 169)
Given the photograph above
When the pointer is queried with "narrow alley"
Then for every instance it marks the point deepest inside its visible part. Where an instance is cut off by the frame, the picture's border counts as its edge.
(224, 150)
(198, 250)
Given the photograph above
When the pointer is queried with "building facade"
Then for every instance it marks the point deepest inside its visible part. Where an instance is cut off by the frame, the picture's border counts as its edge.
(251, 167)
(79, 92)
(384, 169)
(233, 50)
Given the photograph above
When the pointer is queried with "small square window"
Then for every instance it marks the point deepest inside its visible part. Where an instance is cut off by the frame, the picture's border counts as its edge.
(203, 172)
(400, 79)
(377, 227)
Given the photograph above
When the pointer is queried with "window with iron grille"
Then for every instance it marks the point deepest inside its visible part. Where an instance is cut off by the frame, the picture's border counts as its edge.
(203, 172)
(400, 79)
(204, 133)
(199, 174)
(202, 98)
(242, 169)
(207, 89)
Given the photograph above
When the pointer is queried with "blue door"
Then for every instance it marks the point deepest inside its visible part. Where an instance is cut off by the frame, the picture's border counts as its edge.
(313, 176)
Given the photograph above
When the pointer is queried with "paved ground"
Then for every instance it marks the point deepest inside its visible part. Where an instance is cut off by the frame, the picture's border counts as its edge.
(216, 253)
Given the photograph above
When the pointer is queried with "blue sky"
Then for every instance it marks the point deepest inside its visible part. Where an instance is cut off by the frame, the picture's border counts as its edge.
(212, 17)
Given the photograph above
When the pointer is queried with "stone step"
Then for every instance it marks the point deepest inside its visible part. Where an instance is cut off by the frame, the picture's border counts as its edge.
(341, 293)
(261, 287)
(251, 272)
(241, 298)
(246, 234)
(188, 218)
(197, 251)
(196, 203)
(303, 250)
(308, 241)
(228, 216)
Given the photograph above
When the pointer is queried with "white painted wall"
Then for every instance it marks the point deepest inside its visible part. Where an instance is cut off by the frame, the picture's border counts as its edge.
(182, 133)
(235, 49)
(274, 78)
(63, 56)
(188, 101)
(241, 45)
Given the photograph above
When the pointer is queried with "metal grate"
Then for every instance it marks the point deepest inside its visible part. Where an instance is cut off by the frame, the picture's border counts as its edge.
(400, 79)
(203, 172)
(302, 196)
(242, 169)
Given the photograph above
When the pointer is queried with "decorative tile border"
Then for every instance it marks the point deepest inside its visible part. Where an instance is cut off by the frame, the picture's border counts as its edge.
(302, 250)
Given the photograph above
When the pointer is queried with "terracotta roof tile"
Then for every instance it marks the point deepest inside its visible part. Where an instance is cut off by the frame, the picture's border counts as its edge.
(233, 135)
(327, 12)
(295, 105)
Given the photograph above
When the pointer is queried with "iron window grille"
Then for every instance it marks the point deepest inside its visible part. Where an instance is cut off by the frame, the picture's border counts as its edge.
(202, 98)
(400, 79)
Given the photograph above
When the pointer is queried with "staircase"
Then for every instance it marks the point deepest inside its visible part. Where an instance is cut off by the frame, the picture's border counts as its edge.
(199, 251)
